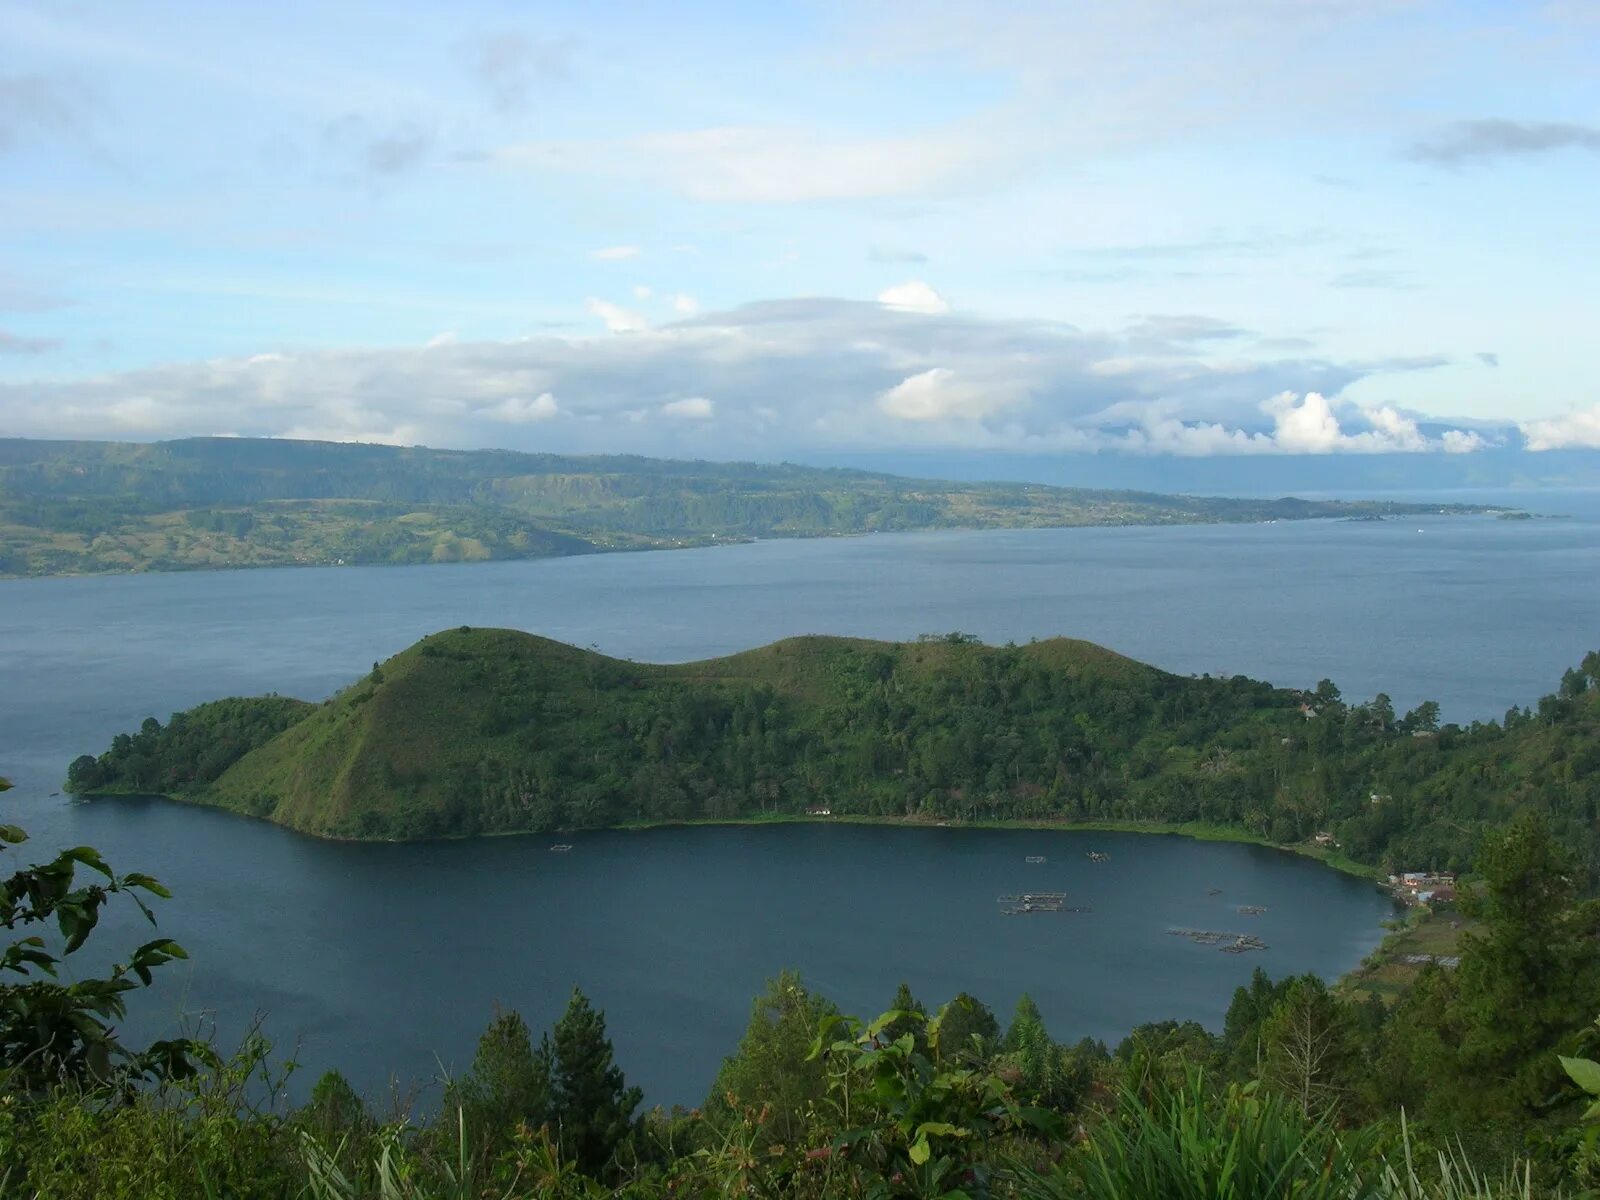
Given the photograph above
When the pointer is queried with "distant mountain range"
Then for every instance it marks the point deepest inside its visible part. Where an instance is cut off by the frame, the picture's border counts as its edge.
(1499, 468)
(81, 507)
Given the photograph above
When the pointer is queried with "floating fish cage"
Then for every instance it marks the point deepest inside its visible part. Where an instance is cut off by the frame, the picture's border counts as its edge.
(1228, 943)
(1027, 903)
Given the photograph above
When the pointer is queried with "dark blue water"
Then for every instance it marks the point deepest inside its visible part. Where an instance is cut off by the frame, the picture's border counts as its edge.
(378, 958)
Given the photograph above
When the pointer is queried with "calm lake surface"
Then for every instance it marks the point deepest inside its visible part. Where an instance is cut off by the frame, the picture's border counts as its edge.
(379, 958)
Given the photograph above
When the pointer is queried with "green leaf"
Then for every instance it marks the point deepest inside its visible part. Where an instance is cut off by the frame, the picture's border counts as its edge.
(89, 857)
(920, 1150)
(12, 834)
(941, 1129)
(148, 883)
(1584, 1072)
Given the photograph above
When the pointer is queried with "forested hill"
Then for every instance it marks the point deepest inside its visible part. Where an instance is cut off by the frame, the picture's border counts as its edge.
(71, 507)
(484, 731)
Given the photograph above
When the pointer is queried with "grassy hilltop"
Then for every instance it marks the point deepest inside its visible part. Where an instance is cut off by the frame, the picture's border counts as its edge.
(476, 731)
(198, 503)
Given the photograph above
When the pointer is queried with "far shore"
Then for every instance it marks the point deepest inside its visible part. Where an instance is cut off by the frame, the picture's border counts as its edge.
(1199, 830)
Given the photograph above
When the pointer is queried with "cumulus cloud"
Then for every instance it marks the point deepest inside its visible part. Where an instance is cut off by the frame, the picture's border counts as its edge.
(1461, 441)
(788, 376)
(685, 305)
(617, 318)
(522, 410)
(913, 296)
(615, 253)
(1578, 430)
(1300, 424)
(939, 394)
(692, 408)
(1464, 141)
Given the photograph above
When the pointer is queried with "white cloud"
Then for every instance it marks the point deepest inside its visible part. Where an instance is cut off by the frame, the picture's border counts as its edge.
(685, 305)
(617, 318)
(692, 408)
(641, 291)
(1461, 441)
(615, 253)
(788, 376)
(1578, 430)
(913, 296)
(938, 394)
(447, 338)
(1309, 425)
(522, 410)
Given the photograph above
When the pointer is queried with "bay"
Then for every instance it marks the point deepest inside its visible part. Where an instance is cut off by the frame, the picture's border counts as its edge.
(381, 958)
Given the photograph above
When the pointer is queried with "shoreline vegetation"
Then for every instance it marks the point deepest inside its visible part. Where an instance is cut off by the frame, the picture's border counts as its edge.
(79, 508)
(1200, 831)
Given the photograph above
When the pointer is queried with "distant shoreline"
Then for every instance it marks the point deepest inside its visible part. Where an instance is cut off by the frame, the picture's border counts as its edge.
(1198, 830)
(713, 541)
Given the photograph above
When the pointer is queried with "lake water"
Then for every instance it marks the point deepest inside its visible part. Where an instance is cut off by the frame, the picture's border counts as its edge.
(380, 957)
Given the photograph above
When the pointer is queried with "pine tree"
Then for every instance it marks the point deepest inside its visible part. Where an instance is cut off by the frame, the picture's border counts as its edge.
(509, 1083)
(1307, 1046)
(772, 1067)
(905, 1002)
(963, 1019)
(1529, 976)
(592, 1104)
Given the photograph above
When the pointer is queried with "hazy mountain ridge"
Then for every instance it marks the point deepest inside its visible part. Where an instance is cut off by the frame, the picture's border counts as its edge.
(79, 507)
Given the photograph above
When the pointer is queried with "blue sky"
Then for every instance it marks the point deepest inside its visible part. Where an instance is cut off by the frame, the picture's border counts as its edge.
(1151, 227)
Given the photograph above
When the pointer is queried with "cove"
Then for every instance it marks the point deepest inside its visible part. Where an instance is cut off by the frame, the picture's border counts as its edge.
(383, 959)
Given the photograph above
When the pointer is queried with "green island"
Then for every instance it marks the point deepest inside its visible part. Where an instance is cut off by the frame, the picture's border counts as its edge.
(486, 731)
(77, 507)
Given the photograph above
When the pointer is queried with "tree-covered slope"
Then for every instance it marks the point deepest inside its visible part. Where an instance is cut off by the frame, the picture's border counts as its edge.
(481, 731)
(229, 502)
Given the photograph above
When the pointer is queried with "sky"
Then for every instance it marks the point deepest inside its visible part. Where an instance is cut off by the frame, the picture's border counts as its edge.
(1239, 228)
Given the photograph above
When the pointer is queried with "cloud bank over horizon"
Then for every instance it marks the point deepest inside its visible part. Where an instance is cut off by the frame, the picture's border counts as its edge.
(772, 379)
(1149, 230)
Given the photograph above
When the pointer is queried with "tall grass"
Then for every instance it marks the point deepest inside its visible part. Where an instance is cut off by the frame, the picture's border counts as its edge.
(1184, 1142)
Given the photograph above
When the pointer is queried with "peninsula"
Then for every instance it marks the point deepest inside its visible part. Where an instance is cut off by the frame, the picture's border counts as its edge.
(482, 731)
(71, 508)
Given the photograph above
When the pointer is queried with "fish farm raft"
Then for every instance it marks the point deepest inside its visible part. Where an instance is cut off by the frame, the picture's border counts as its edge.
(1029, 903)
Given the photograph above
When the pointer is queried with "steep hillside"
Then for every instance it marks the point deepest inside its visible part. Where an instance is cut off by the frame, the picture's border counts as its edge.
(484, 731)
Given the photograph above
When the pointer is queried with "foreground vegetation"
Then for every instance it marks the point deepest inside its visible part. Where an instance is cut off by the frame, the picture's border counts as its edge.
(489, 731)
(76, 507)
(1478, 1083)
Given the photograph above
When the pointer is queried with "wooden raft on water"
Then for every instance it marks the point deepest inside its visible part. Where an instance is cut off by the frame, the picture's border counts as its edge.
(1228, 943)
(1028, 903)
